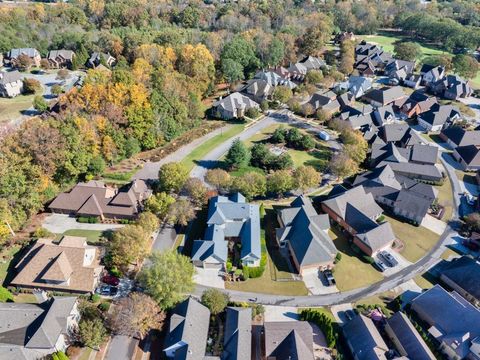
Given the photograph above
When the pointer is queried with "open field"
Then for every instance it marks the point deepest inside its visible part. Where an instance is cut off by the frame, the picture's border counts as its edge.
(417, 239)
(351, 272)
(205, 148)
(10, 109)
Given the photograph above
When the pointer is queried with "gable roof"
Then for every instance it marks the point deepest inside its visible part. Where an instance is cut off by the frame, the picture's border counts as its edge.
(65, 54)
(409, 338)
(189, 329)
(464, 272)
(470, 154)
(440, 114)
(30, 52)
(289, 340)
(8, 77)
(461, 137)
(236, 101)
(424, 153)
(364, 339)
(237, 341)
(385, 95)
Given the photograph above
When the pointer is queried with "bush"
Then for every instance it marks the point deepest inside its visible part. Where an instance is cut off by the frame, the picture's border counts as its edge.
(323, 322)
(368, 259)
(43, 233)
(115, 272)
(252, 113)
(104, 306)
(31, 86)
(229, 266)
(95, 298)
(338, 257)
(381, 219)
(5, 295)
(87, 219)
(257, 309)
(59, 355)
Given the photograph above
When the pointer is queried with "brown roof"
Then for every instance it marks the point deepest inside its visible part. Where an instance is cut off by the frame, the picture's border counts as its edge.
(62, 266)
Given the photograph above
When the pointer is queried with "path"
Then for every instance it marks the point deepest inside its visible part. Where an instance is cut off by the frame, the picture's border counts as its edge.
(150, 169)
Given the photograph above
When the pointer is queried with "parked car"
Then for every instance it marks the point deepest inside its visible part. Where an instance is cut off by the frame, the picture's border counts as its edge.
(324, 135)
(389, 259)
(111, 280)
(350, 314)
(329, 277)
(107, 290)
(470, 245)
(380, 265)
(470, 199)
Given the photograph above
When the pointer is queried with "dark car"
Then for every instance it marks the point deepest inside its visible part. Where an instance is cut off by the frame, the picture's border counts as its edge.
(329, 277)
(350, 314)
(380, 265)
(111, 280)
(389, 259)
(107, 290)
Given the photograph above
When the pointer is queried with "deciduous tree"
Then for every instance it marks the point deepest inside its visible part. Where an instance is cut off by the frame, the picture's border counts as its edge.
(172, 177)
(215, 300)
(159, 204)
(306, 177)
(197, 191)
(218, 178)
(280, 182)
(92, 332)
(129, 246)
(181, 212)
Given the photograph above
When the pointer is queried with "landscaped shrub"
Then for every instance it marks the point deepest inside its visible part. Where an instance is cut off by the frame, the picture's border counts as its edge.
(381, 219)
(5, 295)
(368, 259)
(252, 113)
(59, 355)
(338, 257)
(115, 272)
(323, 322)
(87, 219)
(257, 271)
(95, 298)
(42, 233)
(104, 306)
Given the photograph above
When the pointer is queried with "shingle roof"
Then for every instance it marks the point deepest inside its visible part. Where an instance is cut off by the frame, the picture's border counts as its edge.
(385, 95)
(424, 153)
(470, 154)
(30, 52)
(409, 338)
(291, 340)
(440, 114)
(189, 329)
(8, 77)
(461, 137)
(464, 272)
(66, 54)
(364, 339)
(236, 101)
(237, 341)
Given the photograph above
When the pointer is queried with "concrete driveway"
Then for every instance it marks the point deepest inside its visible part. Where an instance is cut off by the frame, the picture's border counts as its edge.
(433, 224)
(402, 264)
(121, 348)
(208, 277)
(59, 223)
(280, 313)
(317, 285)
(165, 238)
(338, 312)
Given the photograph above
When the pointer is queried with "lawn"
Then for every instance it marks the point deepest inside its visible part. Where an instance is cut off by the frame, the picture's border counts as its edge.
(425, 281)
(447, 254)
(467, 177)
(25, 298)
(445, 198)
(10, 109)
(387, 41)
(93, 236)
(200, 151)
(6, 256)
(351, 272)
(417, 240)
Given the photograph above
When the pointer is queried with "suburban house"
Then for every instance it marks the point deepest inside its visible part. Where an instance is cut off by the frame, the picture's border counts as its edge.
(406, 338)
(357, 212)
(358, 118)
(258, 89)
(305, 233)
(417, 103)
(34, 331)
(234, 106)
(11, 83)
(452, 321)
(33, 54)
(187, 331)
(412, 81)
(452, 87)
(384, 115)
(438, 117)
(237, 337)
(404, 197)
(95, 199)
(323, 100)
(229, 221)
(344, 36)
(431, 74)
(457, 136)
(385, 96)
(356, 85)
(468, 156)
(312, 63)
(60, 58)
(399, 69)
(400, 134)
(369, 58)
(288, 340)
(99, 58)
(297, 71)
(274, 79)
(69, 266)
(462, 275)
(364, 340)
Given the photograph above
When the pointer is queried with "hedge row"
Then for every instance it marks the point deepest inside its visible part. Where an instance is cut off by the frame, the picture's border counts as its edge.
(323, 322)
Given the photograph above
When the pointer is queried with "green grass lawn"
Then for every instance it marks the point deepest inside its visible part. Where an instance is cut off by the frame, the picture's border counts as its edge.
(387, 41)
(93, 236)
(351, 272)
(416, 239)
(10, 109)
(200, 151)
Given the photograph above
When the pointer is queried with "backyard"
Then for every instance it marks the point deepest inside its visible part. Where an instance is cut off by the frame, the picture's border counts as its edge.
(11, 109)
(351, 272)
(417, 240)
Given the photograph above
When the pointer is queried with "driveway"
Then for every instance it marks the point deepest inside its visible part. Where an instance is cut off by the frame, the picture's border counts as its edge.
(402, 264)
(48, 80)
(280, 313)
(121, 348)
(208, 277)
(165, 238)
(433, 224)
(316, 284)
(338, 312)
(59, 223)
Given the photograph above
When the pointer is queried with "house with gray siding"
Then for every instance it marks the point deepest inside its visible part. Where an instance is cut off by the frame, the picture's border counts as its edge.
(234, 106)
(230, 220)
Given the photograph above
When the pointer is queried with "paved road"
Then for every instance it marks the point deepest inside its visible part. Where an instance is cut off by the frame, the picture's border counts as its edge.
(150, 169)
(121, 348)
(165, 238)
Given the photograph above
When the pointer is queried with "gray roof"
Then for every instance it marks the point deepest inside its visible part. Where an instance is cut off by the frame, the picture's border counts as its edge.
(462, 137)
(289, 340)
(8, 77)
(440, 114)
(237, 341)
(360, 121)
(365, 341)
(384, 114)
(66, 54)
(306, 232)
(409, 338)
(230, 217)
(30, 52)
(27, 327)
(464, 272)
(259, 88)
(189, 328)
(377, 237)
(359, 84)
(452, 319)
(424, 153)
(311, 62)
(385, 95)
(235, 101)
(415, 170)
(470, 154)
